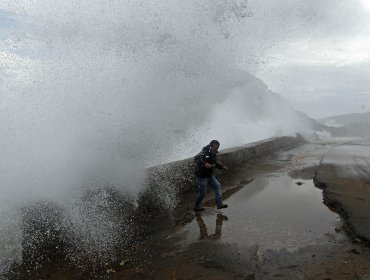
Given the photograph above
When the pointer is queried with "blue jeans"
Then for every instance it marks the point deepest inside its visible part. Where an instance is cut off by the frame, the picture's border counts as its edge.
(202, 190)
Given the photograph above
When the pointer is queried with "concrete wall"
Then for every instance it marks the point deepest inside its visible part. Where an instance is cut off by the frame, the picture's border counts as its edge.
(177, 177)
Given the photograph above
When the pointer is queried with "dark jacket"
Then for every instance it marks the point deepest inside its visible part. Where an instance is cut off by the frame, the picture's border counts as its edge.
(206, 155)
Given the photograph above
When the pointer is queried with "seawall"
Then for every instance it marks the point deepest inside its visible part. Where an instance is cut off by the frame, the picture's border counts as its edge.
(166, 183)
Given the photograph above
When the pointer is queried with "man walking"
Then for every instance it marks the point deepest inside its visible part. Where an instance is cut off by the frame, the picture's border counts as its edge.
(206, 161)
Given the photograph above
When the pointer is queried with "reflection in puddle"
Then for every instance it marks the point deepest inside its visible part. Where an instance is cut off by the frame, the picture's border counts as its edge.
(273, 213)
(203, 231)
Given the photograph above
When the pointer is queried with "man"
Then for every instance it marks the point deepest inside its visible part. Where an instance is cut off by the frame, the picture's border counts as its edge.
(206, 161)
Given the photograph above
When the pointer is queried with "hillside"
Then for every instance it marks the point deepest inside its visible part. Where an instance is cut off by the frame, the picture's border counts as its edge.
(348, 125)
(347, 119)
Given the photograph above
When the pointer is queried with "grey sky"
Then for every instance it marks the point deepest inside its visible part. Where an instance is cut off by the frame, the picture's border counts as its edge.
(324, 71)
(5, 19)
(323, 90)
(6, 22)
(314, 53)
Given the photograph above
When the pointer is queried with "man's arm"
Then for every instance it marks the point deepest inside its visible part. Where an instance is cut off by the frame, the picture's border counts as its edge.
(221, 166)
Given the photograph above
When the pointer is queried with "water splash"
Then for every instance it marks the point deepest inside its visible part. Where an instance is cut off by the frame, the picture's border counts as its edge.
(95, 92)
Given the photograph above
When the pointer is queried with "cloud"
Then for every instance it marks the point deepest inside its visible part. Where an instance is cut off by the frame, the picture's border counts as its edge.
(331, 51)
(322, 90)
(366, 4)
(322, 58)
(6, 20)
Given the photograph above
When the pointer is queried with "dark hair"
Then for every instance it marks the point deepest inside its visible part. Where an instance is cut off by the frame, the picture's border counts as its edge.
(214, 142)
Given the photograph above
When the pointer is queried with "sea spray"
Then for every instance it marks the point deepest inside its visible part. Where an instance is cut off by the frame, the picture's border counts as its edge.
(95, 92)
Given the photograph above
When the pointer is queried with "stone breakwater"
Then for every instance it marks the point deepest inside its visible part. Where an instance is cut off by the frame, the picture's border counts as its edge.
(166, 183)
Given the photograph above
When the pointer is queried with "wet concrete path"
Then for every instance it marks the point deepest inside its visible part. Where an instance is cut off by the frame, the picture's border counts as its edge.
(272, 212)
(276, 227)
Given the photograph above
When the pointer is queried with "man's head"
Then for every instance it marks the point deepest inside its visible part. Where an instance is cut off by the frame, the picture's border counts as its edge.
(214, 145)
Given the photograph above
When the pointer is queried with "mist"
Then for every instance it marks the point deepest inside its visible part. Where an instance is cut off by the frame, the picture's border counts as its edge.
(93, 93)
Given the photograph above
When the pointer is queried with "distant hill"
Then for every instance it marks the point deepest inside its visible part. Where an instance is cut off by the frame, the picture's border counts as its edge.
(348, 119)
(348, 125)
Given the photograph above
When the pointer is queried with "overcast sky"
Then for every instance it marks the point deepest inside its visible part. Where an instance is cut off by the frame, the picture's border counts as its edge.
(314, 53)
(326, 70)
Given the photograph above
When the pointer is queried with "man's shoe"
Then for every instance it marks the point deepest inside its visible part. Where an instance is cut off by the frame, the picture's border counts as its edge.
(223, 206)
(198, 209)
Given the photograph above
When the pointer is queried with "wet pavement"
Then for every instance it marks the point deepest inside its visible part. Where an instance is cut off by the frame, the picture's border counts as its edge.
(276, 226)
(270, 213)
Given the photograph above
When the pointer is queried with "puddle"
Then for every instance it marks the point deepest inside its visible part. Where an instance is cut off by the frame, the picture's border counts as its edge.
(273, 213)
